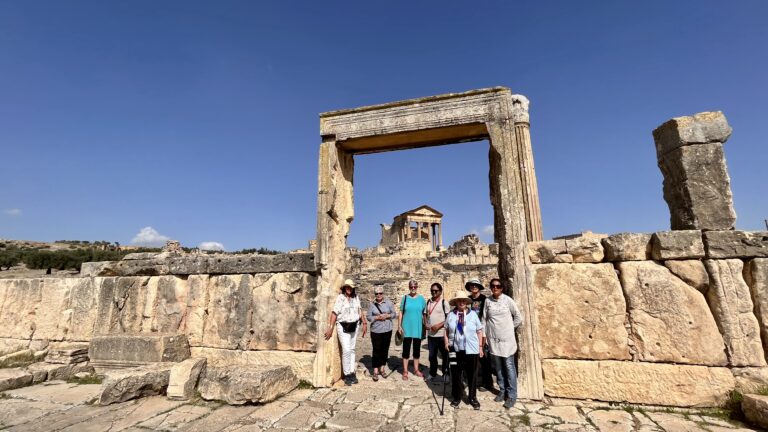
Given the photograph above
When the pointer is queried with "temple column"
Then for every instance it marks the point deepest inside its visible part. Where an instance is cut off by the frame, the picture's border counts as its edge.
(429, 235)
(522, 129)
(440, 235)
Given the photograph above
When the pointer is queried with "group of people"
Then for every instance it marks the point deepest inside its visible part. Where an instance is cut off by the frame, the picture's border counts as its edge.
(467, 333)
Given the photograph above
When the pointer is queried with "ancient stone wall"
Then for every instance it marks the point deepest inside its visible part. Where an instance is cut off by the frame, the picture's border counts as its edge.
(264, 315)
(670, 318)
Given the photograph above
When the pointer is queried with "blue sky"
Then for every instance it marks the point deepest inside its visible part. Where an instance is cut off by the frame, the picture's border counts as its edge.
(200, 119)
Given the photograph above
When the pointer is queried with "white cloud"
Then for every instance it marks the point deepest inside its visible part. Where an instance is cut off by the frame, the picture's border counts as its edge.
(149, 236)
(488, 230)
(211, 246)
(13, 212)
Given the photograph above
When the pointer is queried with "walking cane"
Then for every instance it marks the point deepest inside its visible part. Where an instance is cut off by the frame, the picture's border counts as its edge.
(451, 364)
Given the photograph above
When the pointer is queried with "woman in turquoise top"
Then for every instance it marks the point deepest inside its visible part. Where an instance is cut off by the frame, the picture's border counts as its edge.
(411, 327)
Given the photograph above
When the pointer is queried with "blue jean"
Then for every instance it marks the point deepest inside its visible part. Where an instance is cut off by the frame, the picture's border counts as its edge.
(506, 375)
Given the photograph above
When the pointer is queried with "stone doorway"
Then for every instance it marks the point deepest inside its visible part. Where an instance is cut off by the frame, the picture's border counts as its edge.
(494, 114)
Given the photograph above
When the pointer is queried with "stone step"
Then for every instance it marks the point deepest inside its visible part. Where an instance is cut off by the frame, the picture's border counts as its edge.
(121, 386)
(120, 351)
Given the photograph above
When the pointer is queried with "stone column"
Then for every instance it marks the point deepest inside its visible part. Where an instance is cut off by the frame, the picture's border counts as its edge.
(530, 189)
(429, 235)
(697, 187)
(334, 215)
(510, 221)
(440, 235)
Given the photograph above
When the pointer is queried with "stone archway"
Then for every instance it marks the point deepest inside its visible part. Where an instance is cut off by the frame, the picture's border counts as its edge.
(494, 114)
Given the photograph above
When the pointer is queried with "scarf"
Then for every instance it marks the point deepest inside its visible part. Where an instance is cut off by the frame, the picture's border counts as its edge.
(460, 325)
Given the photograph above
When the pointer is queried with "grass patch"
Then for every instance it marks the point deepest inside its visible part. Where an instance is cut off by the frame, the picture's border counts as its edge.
(733, 405)
(90, 379)
(524, 419)
(4, 396)
(304, 384)
(763, 391)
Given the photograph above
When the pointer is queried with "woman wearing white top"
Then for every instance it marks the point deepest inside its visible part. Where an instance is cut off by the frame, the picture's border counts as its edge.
(346, 317)
(501, 318)
(463, 338)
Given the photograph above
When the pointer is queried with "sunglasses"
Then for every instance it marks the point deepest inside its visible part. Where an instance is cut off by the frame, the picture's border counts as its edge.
(495, 286)
(379, 293)
(413, 287)
(435, 291)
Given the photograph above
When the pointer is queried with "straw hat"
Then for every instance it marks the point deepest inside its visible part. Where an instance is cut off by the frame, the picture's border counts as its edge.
(475, 281)
(460, 297)
(348, 283)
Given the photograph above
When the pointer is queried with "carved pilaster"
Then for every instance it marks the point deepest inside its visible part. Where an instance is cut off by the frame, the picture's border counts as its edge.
(529, 186)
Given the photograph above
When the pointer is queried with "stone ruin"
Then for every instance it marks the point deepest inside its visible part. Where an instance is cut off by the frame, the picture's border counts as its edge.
(676, 318)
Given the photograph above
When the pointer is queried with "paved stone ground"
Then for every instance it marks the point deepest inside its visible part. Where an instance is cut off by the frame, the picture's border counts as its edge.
(387, 405)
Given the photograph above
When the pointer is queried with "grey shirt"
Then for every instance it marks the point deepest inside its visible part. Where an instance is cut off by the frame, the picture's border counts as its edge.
(386, 308)
(501, 318)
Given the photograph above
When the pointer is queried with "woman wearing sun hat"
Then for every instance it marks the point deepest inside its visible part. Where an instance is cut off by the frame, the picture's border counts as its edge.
(464, 339)
(345, 316)
(474, 286)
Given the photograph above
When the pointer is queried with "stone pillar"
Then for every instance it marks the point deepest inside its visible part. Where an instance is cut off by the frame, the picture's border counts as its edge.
(510, 221)
(429, 235)
(440, 235)
(697, 187)
(334, 215)
(530, 189)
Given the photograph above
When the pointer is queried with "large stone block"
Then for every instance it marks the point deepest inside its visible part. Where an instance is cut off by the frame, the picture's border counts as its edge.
(691, 272)
(122, 305)
(638, 382)
(125, 349)
(227, 323)
(83, 309)
(755, 408)
(750, 379)
(197, 309)
(736, 244)
(697, 188)
(627, 247)
(300, 362)
(701, 128)
(135, 383)
(586, 248)
(581, 311)
(729, 299)
(183, 378)
(19, 300)
(8, 345)
(756, 277)
(549, 251)
(283, 312)
(670, 321)
(670, 245)
(240, 385)
(13, 378)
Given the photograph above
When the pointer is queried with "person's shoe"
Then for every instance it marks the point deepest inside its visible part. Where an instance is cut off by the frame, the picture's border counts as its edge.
(353, 378)
(509, 403)
(475, 404)
(482, 389)
(375, 376)
(455, 403)
(499, 397)
(347, 380)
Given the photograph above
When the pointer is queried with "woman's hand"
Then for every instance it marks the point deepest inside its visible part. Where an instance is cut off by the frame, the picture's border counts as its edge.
(481, 352)
(328, 333)
(365, 328)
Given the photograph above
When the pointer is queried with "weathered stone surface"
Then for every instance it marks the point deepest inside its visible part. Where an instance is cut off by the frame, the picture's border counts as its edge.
(670, 245)
(283, 312)
(691, 272)
(239, 385)
(585, 248)
(581, 311)
(637, 382)
(756, 277)
(125, 349)
(8, 345)
(755, 408)
(67, 353)
(40, 370)
(164, 264)
(697, 188)
(549, 251)
(701, 128)
(183, 379)
(12, 378)
(670, 321)
(750, 379)
(141, 256)
(736, 244)
(135, 383)
(729, 299)
(19, 358)
(300, 362)
(627, 247)
(92, 269)
(226, 325)
(21, 297)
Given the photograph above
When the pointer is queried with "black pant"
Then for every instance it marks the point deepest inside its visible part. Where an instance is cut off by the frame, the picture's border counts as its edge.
(435, 345)
(466, 363)
(407, 347)
(486, 372)
(380, 342)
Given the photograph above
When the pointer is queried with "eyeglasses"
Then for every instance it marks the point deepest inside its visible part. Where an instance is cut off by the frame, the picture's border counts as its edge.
(495, 286)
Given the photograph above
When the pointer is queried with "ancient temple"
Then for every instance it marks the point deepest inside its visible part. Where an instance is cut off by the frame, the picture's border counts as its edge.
(420, 224)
